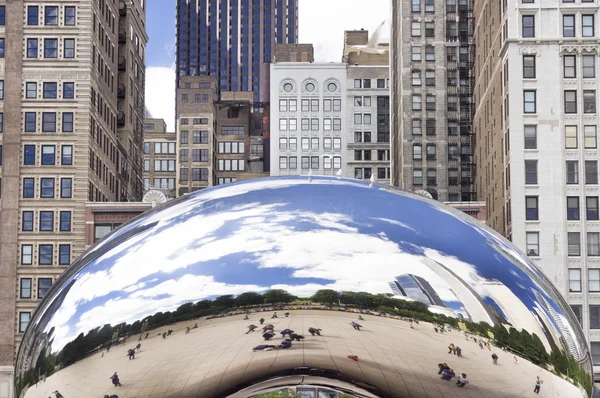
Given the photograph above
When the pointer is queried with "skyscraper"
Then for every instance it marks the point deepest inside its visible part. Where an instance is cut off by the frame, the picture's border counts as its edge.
(431, 56)
(71, 111)
(230, 39)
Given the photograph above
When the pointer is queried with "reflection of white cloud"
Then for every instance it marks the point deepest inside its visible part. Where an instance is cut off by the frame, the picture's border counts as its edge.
(396, 222)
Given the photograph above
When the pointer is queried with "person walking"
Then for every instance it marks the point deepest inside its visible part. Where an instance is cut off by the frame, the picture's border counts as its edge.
(115, 379)
(538, 385)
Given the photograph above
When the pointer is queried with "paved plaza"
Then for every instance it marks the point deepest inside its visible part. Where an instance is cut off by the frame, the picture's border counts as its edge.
(218, 355)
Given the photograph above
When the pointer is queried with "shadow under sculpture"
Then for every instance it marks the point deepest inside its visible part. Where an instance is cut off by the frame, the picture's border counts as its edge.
(311, 287)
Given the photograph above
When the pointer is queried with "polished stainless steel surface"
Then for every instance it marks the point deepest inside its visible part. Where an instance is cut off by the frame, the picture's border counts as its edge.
(364, 277)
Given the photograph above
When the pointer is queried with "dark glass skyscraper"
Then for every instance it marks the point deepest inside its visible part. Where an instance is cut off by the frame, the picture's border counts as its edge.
(230, 39)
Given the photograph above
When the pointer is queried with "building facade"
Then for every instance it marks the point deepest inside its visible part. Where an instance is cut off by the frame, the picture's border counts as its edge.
(431, 56)
(230, 40)
(102, 218)
(368, 103)
(196, 133)
(160, 157)
(308, 119)
(537, 147)
(61, 141)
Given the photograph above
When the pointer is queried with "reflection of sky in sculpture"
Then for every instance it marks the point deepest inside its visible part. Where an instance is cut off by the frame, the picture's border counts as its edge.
(291, 234)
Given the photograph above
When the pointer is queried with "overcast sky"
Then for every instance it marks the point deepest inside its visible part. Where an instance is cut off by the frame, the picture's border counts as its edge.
(321, 22)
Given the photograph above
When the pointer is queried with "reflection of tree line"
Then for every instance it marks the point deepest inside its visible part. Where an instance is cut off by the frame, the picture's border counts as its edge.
(526, 344)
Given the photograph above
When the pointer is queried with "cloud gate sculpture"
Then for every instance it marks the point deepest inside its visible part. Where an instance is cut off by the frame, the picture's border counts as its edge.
(303, 287)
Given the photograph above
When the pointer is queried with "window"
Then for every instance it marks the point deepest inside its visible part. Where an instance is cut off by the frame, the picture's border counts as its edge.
(587, 25)
(314, 124)
(429, 29)
(70, 16)
(572, 172)
(283, 162)
(357, 84)
(27, 221)
(337, 143)
(416, 127)
(25, 288)
(305, 124)
(293, 163)
(45, 254)
(589, 101)
(47, 221)
(593, 244)
(314, 105)
(530, 137)
(64, 254)
(51, 15)
(44, 285)
(430, 78)
(65, 221)
(531, 172)
(589, 66)
(416, 54)
(283, 124)
(337, 105)
(32, 15)
(529, 66)
(430, 151)
(571, 137)
(417, 177)
(569, 25)
(430, 102)
(574, 244)
(30, 122)
(47, 188)
(314, 144)
(570, 101)
(69, 48)
(431, 177)
(68, 90)
(50, 91)
(283, 105)
(29, 155)
(32, 48)
(416, 81)
(67, 122)
(24, 318)
(66, 187)
(591, 172)
(416, 5)
(314, 162)
(589, 137)
(26, 254)
(1, 47)
(572, 208)
(528, 24)
(591, 208)
(578, 312)
(417, 152)
(49, 122)
(416, 103)
(533, 244)
(30, 90)
(48, 155)
(358, 118)
(327, 143)
(430, 54)
(50, 48)
(529, 99)
(574, 280)
(569, 66)
(28, 187)
(416, 29)
(531, 208)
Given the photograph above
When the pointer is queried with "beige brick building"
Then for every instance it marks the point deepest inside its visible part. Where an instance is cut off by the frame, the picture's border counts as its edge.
(160, 157)
(70, 134)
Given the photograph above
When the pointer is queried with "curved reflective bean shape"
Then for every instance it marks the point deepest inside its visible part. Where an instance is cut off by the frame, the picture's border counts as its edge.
(305, 286)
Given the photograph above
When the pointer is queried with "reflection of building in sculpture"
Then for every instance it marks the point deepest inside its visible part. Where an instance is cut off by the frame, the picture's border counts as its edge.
(36, 346)
(416, 288)
(474, 306)
(516, 313)
(397, 289)
(566, 333)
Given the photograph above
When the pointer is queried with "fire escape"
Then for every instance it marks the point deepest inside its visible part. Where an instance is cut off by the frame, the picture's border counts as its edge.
(466, 106)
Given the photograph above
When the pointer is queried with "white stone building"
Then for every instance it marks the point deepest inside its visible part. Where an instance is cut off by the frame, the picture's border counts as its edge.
(308, 119)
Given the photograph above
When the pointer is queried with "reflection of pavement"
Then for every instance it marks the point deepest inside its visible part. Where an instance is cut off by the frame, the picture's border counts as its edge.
(218, 355)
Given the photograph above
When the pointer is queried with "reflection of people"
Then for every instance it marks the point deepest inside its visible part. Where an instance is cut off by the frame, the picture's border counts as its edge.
(458, 352)
(268, 335)
(286, 331)
(58, 395)
(462, 380)
(314, 331)
(495, 358)
(355, 325)
(538, 385)
(360, 318)
(115, 380)
(448, 374)
(274, 315)
(131, 354)
(187, 330)
(296, 337)
(262, 320)
(251, 328)
(138, 347)
(442, 367)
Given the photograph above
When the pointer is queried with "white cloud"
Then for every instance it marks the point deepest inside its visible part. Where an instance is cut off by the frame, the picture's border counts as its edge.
(160, 93)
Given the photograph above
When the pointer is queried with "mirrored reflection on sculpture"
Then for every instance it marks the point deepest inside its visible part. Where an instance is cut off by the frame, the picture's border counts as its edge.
(320, 287)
